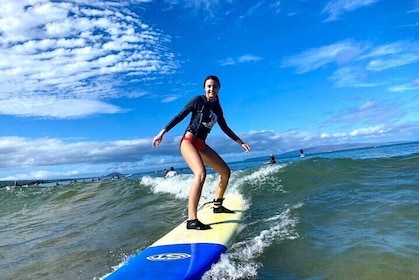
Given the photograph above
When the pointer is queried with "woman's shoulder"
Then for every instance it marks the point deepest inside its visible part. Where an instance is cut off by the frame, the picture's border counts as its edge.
(200, 97)
(197, 99)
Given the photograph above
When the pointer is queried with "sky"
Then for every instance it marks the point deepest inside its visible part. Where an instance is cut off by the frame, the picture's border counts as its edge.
(86, 85)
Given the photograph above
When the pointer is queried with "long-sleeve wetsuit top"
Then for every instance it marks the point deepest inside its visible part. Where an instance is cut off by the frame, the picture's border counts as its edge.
(204, 116)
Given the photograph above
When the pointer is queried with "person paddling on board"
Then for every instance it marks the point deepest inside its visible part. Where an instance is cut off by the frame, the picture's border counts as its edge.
(206, 112)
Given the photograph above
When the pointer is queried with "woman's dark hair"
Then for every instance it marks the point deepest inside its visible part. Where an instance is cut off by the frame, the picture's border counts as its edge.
(214, 78)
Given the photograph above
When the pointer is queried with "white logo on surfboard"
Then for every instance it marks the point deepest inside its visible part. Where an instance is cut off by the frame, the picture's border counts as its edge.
(169, 257)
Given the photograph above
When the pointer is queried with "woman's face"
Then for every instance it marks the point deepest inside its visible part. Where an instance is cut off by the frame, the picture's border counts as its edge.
(211, 89)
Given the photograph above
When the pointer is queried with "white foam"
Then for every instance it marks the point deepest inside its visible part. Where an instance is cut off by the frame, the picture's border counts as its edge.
(180, 185)
(261, 173)
(115, 267)
(240, 261)
(262, 177)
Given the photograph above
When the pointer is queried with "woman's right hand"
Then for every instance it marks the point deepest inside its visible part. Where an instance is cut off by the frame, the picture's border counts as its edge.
(158, 138)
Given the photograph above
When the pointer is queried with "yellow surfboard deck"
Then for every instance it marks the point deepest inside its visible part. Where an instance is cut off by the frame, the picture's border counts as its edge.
(223, 225)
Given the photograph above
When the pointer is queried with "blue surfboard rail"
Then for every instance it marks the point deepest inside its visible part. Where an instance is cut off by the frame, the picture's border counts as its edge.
(178, 261)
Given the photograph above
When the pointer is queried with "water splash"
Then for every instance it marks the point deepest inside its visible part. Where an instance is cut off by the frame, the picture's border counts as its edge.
(241, 260)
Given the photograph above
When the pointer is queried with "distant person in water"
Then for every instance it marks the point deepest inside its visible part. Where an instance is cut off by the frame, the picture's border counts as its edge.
(206, 112)
(172, 172)
(272, 161)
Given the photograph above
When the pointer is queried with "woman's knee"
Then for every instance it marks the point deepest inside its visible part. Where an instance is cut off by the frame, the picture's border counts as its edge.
(225, 174)
(201, 175)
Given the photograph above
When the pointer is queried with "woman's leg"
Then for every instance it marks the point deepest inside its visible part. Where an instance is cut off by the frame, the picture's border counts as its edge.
(194, 161)
(212, 159)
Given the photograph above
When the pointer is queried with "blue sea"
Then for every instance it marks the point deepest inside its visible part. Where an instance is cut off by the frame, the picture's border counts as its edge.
(350, 214)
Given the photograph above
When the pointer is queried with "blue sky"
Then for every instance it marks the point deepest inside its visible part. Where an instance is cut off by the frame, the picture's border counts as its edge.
(86, 85)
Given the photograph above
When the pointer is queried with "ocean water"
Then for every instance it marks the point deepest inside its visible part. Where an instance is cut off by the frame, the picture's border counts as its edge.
(342, 215)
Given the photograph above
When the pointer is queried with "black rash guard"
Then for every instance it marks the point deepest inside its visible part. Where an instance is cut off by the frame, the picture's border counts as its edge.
(204, 116)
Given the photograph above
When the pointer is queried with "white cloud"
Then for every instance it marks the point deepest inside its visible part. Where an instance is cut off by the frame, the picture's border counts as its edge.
(415, 8)
(389, 49)
(227, 61)
(74, 51)
(356, 61)
(391, 55)
(52, 107)
(208, 8)
(369, 131)
(368, 113)
(340, 53)
(351, 77)
(335, 8)
(51, 151)
(414, 85)
(241, 59)
(276, 7)
(248, 58)
(169, 98)
(387, 63)
(367, 105)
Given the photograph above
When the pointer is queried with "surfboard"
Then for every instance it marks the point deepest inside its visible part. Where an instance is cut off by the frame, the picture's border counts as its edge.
(186, 254)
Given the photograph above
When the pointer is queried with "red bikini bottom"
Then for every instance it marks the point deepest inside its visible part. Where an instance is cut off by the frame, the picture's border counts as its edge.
(198, 144)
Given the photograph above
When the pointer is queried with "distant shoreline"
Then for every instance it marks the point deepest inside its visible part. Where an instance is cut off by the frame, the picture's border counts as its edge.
(309, 151)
